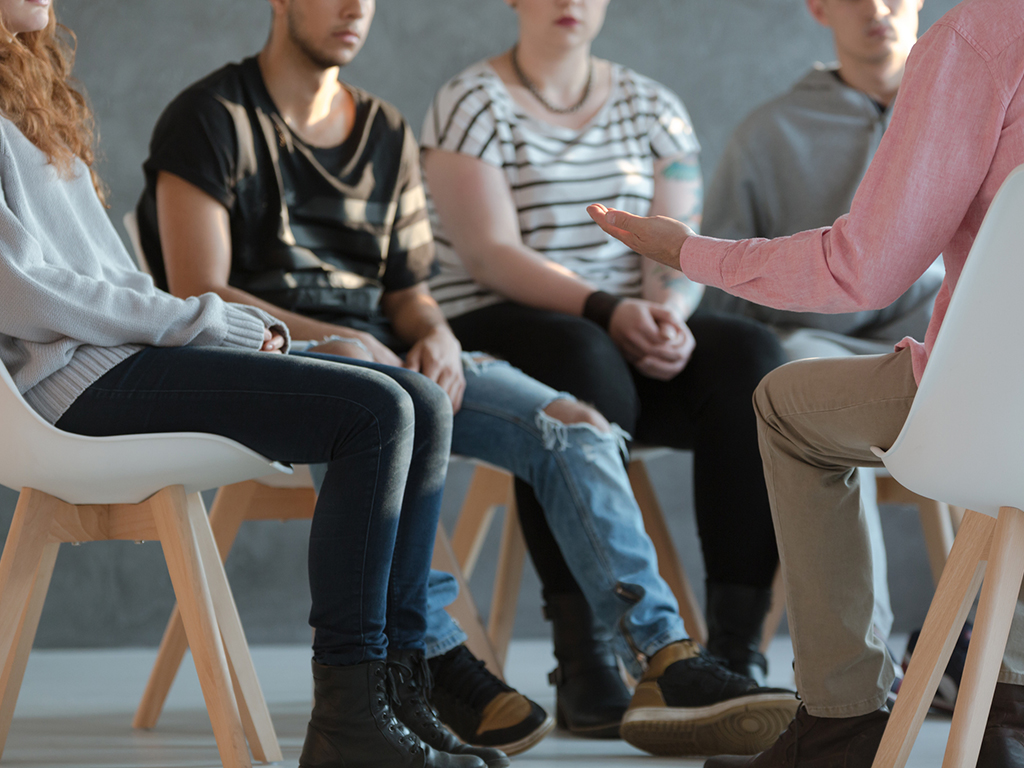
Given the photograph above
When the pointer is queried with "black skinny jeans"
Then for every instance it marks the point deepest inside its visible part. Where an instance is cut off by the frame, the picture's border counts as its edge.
(706, 408)
(384, 433)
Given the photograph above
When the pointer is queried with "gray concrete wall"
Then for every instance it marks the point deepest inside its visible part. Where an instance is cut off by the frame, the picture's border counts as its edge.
(722, 56)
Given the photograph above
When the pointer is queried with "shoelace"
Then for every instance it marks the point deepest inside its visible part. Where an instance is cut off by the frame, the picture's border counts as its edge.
(389, 692)
(417, 680)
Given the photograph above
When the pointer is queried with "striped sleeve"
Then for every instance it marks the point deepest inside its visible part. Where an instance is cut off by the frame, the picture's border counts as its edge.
(671, 130)
(463, 118)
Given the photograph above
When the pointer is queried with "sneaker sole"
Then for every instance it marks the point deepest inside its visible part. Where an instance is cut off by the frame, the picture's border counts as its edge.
(530, 740)
(742, 726)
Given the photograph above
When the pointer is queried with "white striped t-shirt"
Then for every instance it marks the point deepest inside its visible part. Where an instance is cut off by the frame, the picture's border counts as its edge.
(555, 172)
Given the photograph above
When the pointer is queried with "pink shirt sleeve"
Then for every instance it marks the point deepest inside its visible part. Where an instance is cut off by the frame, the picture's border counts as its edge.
(909, 207)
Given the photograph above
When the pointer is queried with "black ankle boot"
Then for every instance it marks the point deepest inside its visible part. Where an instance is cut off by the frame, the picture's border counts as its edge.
(735, 615)
(353, 726)
(591, 696)
(410, 688)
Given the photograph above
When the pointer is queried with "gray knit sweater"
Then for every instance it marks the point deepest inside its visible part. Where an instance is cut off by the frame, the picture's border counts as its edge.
(72, 302)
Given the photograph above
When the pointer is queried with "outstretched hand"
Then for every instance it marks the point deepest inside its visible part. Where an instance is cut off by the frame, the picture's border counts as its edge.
(657, 237)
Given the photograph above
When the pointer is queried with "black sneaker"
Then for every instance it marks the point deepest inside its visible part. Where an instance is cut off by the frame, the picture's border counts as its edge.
(687, 703)
(409, 694)
(480, 708)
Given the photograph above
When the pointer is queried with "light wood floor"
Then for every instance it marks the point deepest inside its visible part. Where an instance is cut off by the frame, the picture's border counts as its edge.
(75, 711)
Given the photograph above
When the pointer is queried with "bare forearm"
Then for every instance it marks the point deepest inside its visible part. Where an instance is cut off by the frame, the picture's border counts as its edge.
(670, 287)
(523, 275)
(415, 317)
(678, 194)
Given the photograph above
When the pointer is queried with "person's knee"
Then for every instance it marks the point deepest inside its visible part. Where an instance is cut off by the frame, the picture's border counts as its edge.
(748, 349)
(762, 398)
(593, 369)
(430, 402)
(569, 411)
(393, 407)
(584, 344)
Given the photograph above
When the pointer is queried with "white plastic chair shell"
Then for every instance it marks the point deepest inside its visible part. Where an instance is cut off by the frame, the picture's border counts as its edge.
(114, 470)
(963, 441)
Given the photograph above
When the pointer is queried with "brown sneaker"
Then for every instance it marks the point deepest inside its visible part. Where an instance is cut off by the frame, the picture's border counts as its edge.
(1002, 746)
(687, 703)
(481, 709)
(818, 742)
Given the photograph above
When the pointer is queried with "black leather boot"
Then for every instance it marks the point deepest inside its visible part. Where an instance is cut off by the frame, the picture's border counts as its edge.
(735, 615)
(410, 689)
(353, 726)
(591, 696)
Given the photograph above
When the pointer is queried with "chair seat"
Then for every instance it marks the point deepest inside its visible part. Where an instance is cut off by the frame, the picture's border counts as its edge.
(129, 469)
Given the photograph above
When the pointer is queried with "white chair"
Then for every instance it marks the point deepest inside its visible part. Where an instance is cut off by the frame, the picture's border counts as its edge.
(963, 442)
(136, 487)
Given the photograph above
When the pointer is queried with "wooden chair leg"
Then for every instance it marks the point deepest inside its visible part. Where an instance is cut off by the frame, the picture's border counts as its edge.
(988, 639)
(668, 559)
(949, 608)
(775, 611)
(505, 597)
(226, 518)
(23, 552)
(489, 488)
(938, 533)
(251, 704)
(464, 609)
(184, 562)
(13, 671)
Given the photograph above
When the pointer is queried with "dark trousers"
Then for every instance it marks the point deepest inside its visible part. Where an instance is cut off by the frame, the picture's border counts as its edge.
(706, 408)
(385, 437)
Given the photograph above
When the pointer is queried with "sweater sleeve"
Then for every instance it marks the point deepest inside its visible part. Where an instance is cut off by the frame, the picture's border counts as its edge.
(45, 301)
(928, 170)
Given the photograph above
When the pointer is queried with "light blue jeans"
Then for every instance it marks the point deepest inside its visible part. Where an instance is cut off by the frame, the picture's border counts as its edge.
(579, 477)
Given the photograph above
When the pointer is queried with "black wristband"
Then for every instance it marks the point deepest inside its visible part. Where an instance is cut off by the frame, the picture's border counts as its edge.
(599, 307)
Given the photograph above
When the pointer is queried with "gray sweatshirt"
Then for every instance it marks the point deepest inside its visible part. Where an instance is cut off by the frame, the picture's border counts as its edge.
(794, 164)
(72, 302)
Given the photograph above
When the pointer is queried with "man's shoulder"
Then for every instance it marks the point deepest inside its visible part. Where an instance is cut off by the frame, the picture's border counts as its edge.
(990, 26)
(229, 83)
(385, 114)
(817, 95)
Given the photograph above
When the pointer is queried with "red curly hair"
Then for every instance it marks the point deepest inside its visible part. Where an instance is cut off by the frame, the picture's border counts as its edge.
(39, 96)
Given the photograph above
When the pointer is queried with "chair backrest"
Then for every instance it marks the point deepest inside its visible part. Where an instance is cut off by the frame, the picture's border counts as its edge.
(110, 470)
(131, 226)
(963, 441)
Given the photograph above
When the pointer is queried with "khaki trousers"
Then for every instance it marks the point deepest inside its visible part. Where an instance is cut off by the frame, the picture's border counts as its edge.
(817, 421)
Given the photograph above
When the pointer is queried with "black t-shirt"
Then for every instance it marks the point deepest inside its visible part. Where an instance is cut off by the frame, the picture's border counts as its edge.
(318, 231)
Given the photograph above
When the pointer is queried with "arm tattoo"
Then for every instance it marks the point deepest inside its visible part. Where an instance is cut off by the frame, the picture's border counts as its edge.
(679, 171)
